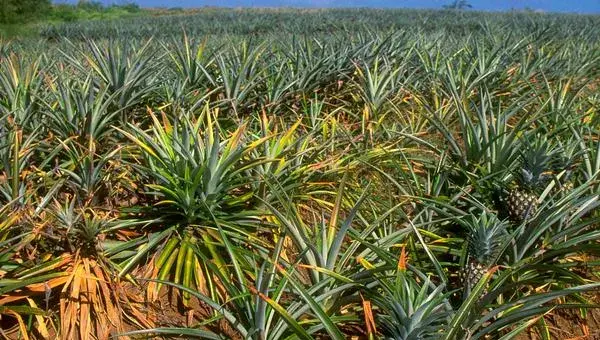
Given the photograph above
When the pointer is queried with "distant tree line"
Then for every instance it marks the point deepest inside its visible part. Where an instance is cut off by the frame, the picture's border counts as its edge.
(24, 11)
(15, 11)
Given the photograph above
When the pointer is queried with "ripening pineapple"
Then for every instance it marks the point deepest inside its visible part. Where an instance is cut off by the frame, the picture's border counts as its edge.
(472, 273)
(563, 187)
(485, 240)
(522, 201)
(521, 204)
(563, 184)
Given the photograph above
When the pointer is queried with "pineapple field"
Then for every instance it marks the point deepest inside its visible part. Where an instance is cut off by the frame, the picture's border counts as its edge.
(302, 174)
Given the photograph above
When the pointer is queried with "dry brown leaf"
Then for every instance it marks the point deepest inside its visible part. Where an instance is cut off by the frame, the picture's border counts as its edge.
(22, 326)
(369, 318)
(403, 260)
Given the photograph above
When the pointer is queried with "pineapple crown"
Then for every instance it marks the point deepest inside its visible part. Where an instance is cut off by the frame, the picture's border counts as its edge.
(486, 237)
(536, 159)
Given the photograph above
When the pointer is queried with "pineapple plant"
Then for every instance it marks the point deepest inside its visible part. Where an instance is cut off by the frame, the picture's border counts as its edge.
(485, 239)
(564, 166)
(522, 201)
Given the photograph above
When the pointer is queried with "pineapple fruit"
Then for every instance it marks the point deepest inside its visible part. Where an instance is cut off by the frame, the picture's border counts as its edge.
(563, 187)
(486, 236)
(522, 202)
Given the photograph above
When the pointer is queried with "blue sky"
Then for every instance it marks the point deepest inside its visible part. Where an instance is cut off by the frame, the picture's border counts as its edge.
(580, 6)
